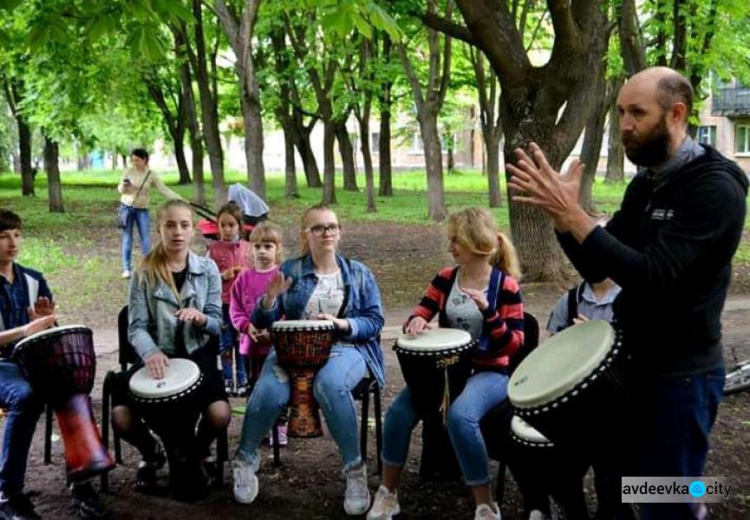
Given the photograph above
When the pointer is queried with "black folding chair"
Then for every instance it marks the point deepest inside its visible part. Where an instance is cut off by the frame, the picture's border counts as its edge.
(127, 356)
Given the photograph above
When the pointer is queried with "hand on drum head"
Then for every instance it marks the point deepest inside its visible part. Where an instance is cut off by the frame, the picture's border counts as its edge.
(42, 307)
(258, 336)
(192, 315)
(38, 325)
(157, 365)
(417, 326)
(339, 323)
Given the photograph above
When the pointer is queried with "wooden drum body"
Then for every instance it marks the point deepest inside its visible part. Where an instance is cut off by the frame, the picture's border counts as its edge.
(302, 348)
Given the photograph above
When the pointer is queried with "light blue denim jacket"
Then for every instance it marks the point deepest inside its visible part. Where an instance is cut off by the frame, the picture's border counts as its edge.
(363, 311)
(152, 324)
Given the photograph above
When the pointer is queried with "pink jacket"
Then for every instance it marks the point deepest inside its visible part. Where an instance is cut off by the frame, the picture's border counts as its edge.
(229, 254)
(247, 289)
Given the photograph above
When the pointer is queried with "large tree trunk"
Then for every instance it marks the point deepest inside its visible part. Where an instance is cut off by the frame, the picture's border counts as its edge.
(24, 145)
(329, 179)
(253, 122)
(347, 156)
(309, 163)
(194, 132)
(592, 143)
(179, 155)
(209, 109)
(434, 165)
(51, 166)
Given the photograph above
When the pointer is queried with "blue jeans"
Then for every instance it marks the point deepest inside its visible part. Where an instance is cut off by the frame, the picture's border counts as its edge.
(229, 346)
(483, 391)
(332, 389)
(138, 217)
(23, 413)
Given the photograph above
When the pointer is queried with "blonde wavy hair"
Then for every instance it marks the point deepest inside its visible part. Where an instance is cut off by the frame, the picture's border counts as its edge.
(154, 265)
(476, 230)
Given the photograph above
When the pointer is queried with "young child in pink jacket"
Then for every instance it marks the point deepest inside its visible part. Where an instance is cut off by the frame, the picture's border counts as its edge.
(265, 241)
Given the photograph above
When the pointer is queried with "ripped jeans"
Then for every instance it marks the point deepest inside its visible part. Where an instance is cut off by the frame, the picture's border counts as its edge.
(332, 389)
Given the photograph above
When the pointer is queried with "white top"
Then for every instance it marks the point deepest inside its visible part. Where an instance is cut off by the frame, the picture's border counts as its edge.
(248, 200)
(293, 325)
(524, 431)
(180, 375)
(560, 363)
(437, 339)
(462, 312)
(328, 295)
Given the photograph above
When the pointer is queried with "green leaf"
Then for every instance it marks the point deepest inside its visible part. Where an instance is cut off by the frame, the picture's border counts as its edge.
(38, 37)
(340, 21)
(9, 4)
(99, 27)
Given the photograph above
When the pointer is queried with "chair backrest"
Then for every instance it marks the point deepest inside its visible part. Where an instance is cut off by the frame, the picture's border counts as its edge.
(126, 354)
(530, 339)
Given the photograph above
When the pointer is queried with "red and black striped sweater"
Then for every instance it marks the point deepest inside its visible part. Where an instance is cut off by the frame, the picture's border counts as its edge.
(503, 323)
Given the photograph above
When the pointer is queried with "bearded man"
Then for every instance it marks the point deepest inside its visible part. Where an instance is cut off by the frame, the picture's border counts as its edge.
(669, 247)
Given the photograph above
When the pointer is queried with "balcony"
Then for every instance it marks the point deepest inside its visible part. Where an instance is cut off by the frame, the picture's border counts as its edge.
(731, 102)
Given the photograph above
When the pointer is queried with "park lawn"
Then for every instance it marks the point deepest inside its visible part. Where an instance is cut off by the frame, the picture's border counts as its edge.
(79, 249)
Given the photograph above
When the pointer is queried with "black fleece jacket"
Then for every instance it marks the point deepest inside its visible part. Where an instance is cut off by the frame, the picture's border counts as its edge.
(670, 247)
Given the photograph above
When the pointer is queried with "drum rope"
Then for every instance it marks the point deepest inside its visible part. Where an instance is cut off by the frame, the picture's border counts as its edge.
(446, 396)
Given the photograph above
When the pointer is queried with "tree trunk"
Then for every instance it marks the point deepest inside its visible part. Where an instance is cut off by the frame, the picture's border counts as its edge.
(347, 156)
(253, 123)
(616, 152)
(492, 142)
(309, 163)
(51, 166)
(329, 179)
(194, 131)
(290, 175)
(179, 155)
(364, 132)
(592, 143)
(24, 145)
(209, 109)
(384, 149)
(434, 165)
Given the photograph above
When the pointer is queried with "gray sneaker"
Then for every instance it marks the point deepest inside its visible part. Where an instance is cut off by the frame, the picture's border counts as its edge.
(245, 481)
(357, 496)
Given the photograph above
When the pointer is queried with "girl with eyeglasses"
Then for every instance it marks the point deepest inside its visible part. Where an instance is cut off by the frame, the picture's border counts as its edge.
(320, 284)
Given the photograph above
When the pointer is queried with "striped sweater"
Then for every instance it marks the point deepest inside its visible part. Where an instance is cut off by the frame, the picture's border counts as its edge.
(503, 324)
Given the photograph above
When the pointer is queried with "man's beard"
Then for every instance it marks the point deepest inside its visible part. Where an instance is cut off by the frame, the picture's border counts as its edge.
(652, 149)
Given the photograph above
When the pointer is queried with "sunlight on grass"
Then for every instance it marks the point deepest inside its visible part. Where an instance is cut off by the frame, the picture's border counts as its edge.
(45, 255)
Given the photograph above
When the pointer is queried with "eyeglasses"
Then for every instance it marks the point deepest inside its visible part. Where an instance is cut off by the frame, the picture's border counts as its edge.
(319, 230)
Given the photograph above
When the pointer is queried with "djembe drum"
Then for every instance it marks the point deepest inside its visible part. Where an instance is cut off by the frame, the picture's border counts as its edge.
(60, 364)
(436, 365)
(572, 387)
(302, 348)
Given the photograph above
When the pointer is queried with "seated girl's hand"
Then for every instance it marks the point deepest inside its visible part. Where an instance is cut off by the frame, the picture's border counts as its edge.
(191, 315)
(278, 285)
(228, 274)
(157, 365)
(339, 323)
(479, 298)
(580, 319)
(417, 325)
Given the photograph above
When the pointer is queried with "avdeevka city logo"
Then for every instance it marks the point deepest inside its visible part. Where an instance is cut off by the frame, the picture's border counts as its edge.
(697, 488)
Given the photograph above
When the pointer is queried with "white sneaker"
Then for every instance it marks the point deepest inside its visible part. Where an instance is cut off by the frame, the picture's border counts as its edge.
(537, 515)
(385, 506)
(487, 512)
(126, 273)
(245, 481)
(357, 496)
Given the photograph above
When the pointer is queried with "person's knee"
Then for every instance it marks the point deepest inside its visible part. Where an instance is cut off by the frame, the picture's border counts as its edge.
(122, 419)
(218, 415)
(329, 387)
(271, 391)
(23, 398)
(459, 418)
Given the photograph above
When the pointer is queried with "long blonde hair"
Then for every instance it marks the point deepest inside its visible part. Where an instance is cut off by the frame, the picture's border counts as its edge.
(304, 244)
(476, 230)
(267, 231)
(154, 265)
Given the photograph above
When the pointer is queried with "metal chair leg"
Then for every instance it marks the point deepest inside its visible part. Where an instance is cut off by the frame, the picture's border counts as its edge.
(48, 434)
(378, 427)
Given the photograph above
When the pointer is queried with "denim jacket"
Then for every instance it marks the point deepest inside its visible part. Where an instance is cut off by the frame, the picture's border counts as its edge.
(363, 311)
(152, 324)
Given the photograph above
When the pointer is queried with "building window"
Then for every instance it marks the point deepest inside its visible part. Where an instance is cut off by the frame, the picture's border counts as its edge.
(742, 139)
(417, 145)
(707, 135)
(375, 142)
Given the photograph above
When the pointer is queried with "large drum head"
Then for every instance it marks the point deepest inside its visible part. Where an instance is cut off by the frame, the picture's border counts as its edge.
(559, 364)
(434, 342)
(301, 325)
(181, 374)
(51, 335)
